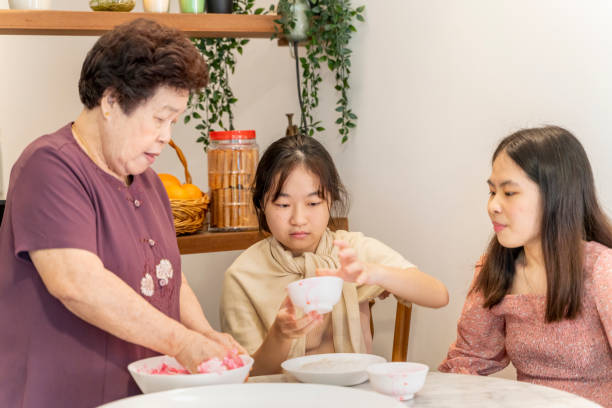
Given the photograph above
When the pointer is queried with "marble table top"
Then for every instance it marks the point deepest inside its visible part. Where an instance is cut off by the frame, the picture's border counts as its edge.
(472, 391)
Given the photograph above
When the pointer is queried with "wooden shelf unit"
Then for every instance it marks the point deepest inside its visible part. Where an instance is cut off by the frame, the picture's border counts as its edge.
(203, 242)
(93, 23)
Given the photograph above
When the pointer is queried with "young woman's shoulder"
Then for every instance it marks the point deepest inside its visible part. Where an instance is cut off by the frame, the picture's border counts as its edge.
(360, 242)
(351, 237)
(594, 251)
(598, 263)
(252, 257)
(372, 250)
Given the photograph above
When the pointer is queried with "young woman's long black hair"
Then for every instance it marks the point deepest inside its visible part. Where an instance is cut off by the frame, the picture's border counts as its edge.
(284, 155)
(556, 161)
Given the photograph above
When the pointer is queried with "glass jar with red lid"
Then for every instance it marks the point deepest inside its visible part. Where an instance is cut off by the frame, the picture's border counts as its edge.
(232, 161)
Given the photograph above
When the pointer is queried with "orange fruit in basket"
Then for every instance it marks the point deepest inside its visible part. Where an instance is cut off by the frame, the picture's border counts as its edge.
(177, 192)
(169, 180)
(192, 191)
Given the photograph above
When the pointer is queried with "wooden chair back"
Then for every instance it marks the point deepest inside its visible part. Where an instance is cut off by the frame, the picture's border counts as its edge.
(401, 333)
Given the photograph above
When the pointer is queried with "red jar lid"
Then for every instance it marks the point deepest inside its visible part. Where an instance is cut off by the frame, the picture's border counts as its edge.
(232, 135)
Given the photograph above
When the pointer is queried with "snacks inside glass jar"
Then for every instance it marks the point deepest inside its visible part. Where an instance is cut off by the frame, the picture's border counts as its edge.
(232, 161)
(112, 5)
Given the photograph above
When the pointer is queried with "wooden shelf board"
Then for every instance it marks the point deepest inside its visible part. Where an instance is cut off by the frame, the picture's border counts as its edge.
(203, 242)
(93, 23)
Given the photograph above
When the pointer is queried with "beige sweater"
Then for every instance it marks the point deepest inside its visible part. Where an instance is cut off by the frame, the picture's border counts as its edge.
(254, 288)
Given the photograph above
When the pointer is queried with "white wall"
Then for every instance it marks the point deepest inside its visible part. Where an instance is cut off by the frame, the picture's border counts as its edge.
(436, 85)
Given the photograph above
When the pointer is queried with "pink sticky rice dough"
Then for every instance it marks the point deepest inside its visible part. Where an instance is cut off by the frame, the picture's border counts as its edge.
(213, 365)
(165, 369)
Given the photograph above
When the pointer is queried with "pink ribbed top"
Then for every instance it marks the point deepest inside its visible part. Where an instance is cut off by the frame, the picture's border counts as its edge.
(571, 355)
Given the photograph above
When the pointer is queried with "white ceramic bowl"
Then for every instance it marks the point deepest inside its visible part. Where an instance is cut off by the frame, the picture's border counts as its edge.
(400, 380)
(318, 294)
(29, 4)
(333, 369)
(140, 371)
(261, 395)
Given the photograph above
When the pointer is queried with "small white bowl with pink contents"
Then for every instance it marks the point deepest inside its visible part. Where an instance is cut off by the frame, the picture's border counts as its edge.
(164, 373)
(318, 294)
(399, 380)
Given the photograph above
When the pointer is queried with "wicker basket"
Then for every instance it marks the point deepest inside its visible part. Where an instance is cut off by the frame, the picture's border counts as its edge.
(189, 215)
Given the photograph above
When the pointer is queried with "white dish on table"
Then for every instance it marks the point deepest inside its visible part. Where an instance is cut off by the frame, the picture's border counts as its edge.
(333, 369)
(260, 395)
(147, 382)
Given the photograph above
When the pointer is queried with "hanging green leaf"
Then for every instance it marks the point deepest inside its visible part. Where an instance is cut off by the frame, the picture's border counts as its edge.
(329, 35)
(212, 106)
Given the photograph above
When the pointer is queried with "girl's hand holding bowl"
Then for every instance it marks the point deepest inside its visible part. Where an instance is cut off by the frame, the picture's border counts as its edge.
(287, 325)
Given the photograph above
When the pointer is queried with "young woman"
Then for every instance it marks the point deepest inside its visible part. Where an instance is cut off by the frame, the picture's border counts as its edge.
(296, 188)
(542, 293)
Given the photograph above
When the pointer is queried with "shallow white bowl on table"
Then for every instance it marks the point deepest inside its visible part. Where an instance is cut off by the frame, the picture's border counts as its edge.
(318, 294)
(147, 382)
(333, 369)
(399, 380)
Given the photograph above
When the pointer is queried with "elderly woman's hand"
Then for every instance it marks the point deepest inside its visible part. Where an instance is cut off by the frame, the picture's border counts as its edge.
(226, 340)
(197, 348)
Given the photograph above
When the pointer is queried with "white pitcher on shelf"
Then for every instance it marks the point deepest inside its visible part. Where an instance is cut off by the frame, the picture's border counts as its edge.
(156, 6)
(29, 4)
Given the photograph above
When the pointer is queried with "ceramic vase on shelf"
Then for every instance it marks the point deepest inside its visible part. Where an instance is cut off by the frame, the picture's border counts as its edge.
(220, 6)
(156, 6)
(29, 4)
(191, 6)
(298, 11)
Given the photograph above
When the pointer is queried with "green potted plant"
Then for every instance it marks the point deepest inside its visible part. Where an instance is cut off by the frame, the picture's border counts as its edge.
(211, 109)
(328, 33)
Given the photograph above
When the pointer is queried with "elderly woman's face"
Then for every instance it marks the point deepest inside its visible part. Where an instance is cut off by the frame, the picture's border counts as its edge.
(134, 141)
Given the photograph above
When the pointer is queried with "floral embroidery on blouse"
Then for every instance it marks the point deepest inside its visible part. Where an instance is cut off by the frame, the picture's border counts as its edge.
(164, 271)
(146, 285)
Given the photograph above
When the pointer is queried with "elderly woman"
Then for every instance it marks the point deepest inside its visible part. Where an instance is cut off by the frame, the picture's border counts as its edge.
(90, 269)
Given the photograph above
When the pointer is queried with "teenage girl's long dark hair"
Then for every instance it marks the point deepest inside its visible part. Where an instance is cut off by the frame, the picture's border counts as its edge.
(556, 161)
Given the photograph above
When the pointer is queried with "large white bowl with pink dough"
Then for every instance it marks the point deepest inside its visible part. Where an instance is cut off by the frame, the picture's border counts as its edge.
(164, 373)
(318, 294)
(399, 380)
